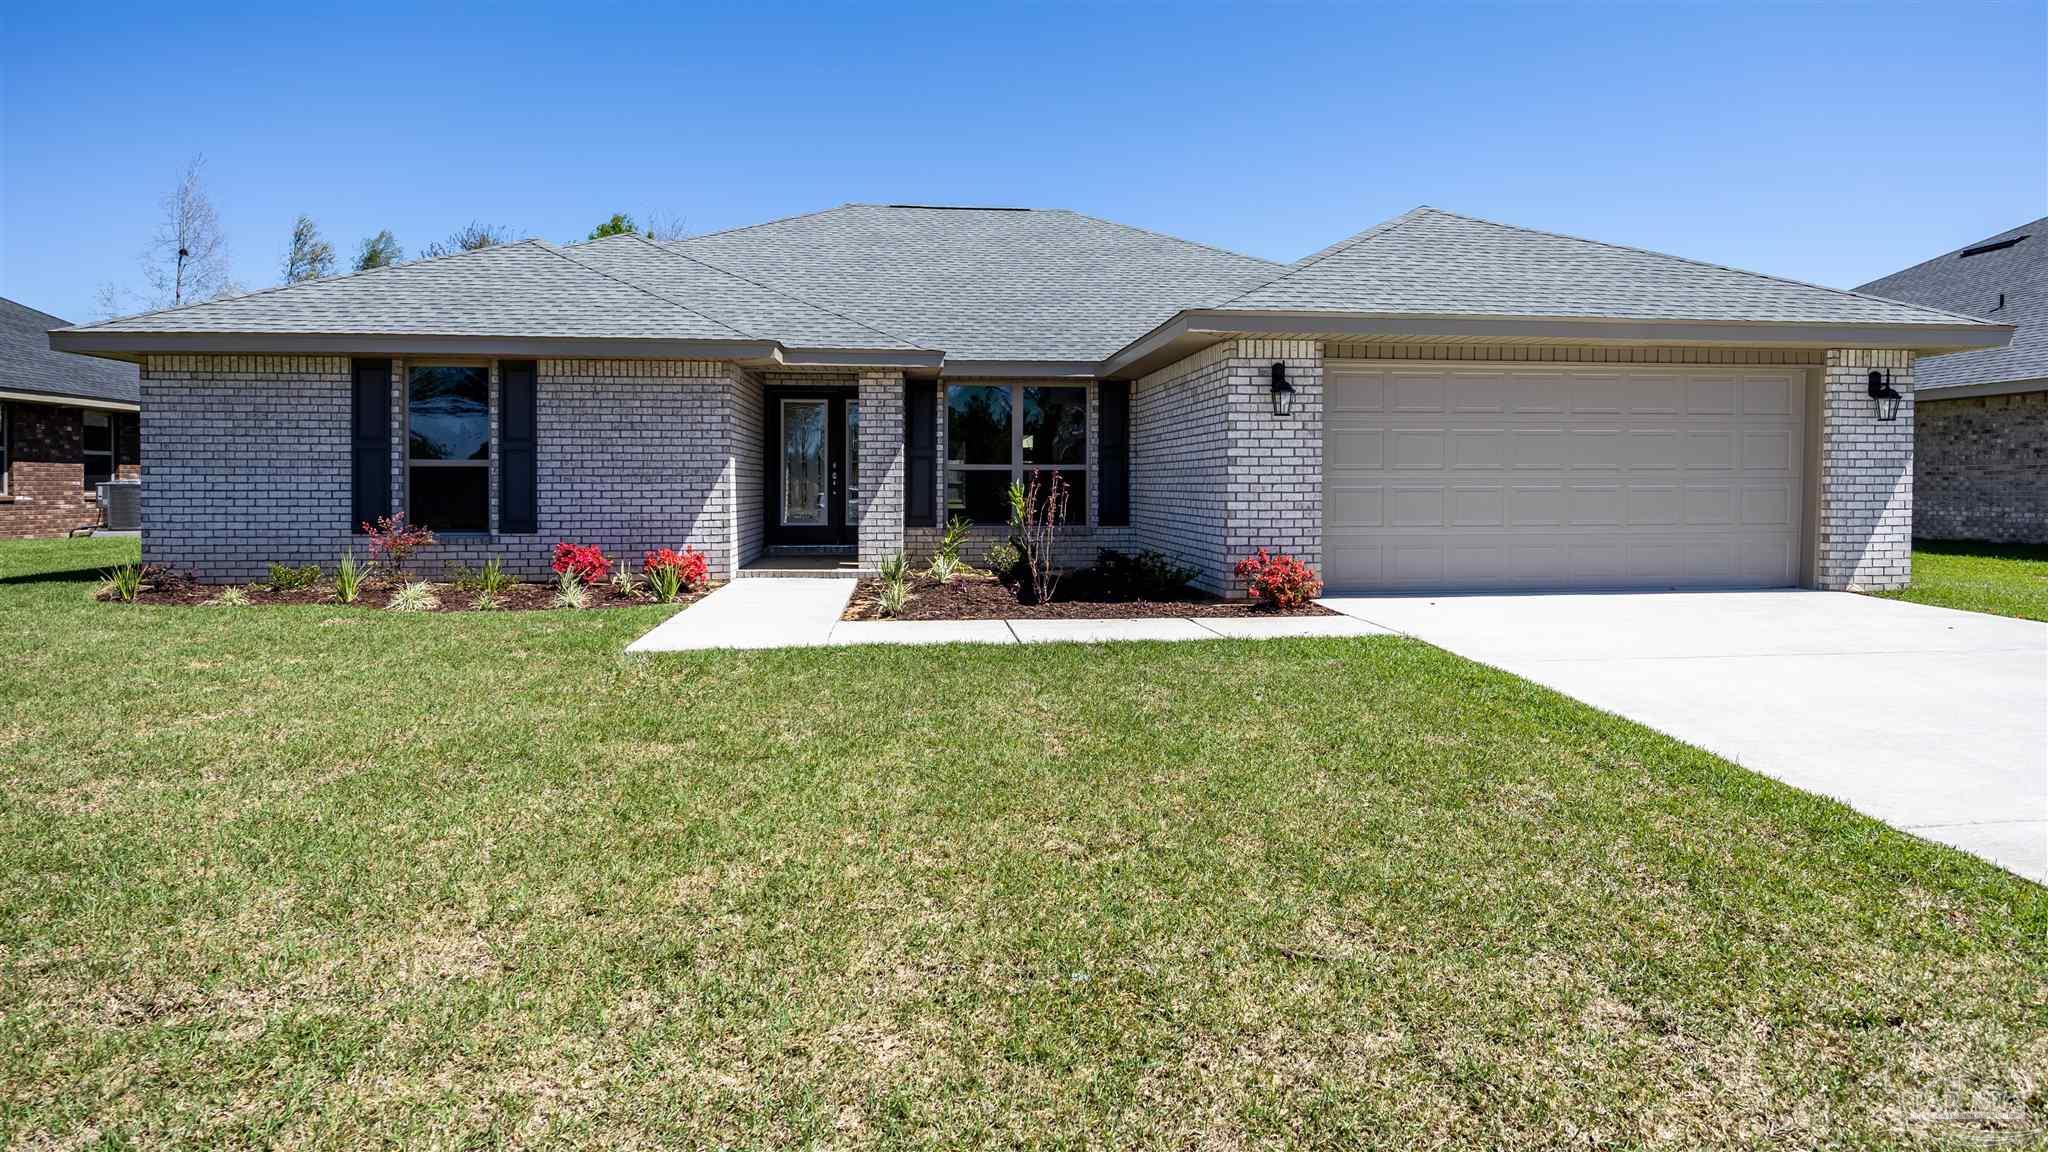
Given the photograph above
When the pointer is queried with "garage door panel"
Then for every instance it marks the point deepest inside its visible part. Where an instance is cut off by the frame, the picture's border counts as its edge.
(1556, 478)
(1347, 392)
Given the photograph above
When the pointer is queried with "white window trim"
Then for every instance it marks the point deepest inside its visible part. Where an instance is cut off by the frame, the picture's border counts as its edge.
(1017, 468)
(490, 461)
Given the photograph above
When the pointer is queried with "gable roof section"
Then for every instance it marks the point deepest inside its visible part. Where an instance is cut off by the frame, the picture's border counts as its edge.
(29, 365)
(1431, 262)
(1972, 284)
(739, 303)
(985, 283)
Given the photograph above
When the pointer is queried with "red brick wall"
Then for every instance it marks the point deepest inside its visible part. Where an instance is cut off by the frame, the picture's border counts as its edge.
(46, 479)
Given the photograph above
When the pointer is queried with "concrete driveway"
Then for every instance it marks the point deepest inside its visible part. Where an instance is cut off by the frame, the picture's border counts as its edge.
(1932, 720)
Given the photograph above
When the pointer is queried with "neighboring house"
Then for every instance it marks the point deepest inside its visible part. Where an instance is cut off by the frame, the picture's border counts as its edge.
(67, 423)
(1437, 402)
(1980, 439)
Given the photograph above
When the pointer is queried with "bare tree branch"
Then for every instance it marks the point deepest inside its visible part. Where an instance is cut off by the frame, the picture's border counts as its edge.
(187, 259)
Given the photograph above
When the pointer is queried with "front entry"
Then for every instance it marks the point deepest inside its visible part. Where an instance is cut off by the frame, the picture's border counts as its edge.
(813, 466)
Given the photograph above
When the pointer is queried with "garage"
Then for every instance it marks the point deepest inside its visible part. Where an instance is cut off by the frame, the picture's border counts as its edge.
(1505, 476)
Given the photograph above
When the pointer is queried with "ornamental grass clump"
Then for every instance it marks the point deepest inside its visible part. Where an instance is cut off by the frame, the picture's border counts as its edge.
(671, 574)
(570, 591)
(494, 581)
(121, 583)
(348, 580)
(232, 596)
(414, 596)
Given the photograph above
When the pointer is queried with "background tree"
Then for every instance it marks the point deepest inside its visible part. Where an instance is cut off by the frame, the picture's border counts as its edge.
(187, 258)
(468, 238)
(309, 257)
(663, 226)
(379, 251)
(619, 225)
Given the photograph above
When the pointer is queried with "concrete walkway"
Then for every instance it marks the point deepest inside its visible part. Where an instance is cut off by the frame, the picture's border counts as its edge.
(1932, 720)
(804, 613)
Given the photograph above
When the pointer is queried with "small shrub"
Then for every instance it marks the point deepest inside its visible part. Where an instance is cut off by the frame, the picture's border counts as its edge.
(286, 578)
(415, 596)
(894, 569)
(121, 583)
(894, 595)
(625, 583)
(690, 568)
(570, 592)
(943, 568)
(1278, 580)
(586, 561)
(485, 602)
(1147, 575)
(232, 596)
(348, 583)
(493, 580)
(1002, 559)
(954, 539)
(1036, 513)
(461, 577)
(393, 542)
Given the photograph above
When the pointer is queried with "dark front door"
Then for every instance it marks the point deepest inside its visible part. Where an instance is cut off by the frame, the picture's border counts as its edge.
(813, 465)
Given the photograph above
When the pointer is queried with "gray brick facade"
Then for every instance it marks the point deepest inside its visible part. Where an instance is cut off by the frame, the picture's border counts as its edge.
(880, 526)
(1864, 538)
(1980, 468)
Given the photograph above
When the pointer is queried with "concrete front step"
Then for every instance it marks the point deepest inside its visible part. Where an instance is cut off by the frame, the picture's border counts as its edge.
(778, 570)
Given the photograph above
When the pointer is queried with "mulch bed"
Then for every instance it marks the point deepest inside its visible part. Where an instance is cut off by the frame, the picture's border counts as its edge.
(983, 597)
(178, 590)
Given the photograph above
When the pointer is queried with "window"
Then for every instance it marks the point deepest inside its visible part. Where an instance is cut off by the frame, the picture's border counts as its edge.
(99, 450)
(998, 434)
(448, 447)
(6, 444)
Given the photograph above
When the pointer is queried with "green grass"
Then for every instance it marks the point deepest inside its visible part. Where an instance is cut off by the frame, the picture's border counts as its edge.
(2002, 579)
(335, 878)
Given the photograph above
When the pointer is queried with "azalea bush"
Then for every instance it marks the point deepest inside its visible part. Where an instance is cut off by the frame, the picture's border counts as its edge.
(587, 562)
(1278, 580)
(393, 541)
(671, 573)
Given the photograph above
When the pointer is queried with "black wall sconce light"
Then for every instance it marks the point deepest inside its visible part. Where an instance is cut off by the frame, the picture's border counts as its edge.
(1283, 392)
(1884, 397)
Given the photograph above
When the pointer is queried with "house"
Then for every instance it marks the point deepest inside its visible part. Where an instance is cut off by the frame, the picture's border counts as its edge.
(1980, 432)
(1437, 402)
(67, 423)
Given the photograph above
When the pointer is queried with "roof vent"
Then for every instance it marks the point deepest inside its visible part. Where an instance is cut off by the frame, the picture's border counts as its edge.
(1994, 246)
(955, 208)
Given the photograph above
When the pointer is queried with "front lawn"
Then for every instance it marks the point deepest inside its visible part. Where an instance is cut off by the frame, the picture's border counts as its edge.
(334, 878)
(2003, 579)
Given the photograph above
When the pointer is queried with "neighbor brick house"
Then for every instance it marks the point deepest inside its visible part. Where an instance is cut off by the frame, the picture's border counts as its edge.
(67, 422)
(1437, 402)
(1980, 443)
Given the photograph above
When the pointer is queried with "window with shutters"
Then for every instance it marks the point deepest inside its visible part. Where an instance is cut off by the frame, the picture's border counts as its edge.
(997, 434)
(448, 447)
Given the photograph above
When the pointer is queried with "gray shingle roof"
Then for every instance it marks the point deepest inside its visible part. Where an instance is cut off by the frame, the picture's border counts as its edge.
(1972, 284)
(985, 283)
(1432, 262)
(731, 300)
(29, 364)
(524, 289)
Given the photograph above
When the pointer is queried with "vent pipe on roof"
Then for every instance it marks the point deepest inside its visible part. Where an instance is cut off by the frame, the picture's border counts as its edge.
(2001, 303)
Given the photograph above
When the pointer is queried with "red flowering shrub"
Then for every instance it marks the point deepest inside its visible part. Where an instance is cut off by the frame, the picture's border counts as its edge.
(1278, 580)
(690, 567)
(587, 561)
(393, 541)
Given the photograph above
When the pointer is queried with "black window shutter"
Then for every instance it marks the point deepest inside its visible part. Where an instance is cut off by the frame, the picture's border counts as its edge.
(1113, 443)
(518, 463)
(370, 440)
(920, 453)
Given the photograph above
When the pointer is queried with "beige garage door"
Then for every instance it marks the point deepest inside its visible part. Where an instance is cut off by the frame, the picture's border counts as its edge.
(1532, 478)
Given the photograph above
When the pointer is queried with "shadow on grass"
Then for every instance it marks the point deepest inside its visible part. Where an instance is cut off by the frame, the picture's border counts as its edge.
(1982, 548)
(60, 576)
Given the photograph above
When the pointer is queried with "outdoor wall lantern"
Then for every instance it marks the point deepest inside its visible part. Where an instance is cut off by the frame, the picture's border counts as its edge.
(1283, 392)
(1884, 397)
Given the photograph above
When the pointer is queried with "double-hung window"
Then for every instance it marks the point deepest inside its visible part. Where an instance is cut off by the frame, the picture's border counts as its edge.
(999, 434)
(6, 449)
(448, 447)
(98, 450)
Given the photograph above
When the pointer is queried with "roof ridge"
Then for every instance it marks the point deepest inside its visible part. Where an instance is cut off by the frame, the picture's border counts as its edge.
(1372, 233)
(1709, 264)
(766, 223)
(1164, 236)
(306, 283)
(1952, 253)
(36, 310)
(664, 247)
(649, 291)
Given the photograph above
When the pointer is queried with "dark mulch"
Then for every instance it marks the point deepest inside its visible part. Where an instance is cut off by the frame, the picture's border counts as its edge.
(983, 597)
(177, 590)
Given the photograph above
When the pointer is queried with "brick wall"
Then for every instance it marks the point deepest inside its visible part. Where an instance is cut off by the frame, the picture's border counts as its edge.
(1980, 468)
(46, 493)
(748, 409)
(880, 530)
(246, 461)
(1865, 534)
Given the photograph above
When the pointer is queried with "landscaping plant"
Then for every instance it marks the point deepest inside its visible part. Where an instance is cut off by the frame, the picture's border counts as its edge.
(287, 578)
(1278, 580)
(1147, 575)
(570, 591)
(414, 596)
(232, 596)
(626, 582)
(894, 595)
(894, 569)
(348, 583)
(943, 568)
(671, 573)
(1036, 513)
(122, 583)
(586, 561)
(494, 581)
(393, 542)
(484, 602)
(953, 539)
(1002, 559)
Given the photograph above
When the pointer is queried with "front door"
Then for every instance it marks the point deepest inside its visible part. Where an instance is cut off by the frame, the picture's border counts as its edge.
(813, 465)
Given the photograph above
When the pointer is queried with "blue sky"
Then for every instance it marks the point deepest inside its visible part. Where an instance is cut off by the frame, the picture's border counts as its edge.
(1831, 143)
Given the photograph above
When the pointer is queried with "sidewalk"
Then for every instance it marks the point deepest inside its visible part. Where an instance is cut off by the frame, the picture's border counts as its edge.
(804, 613)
